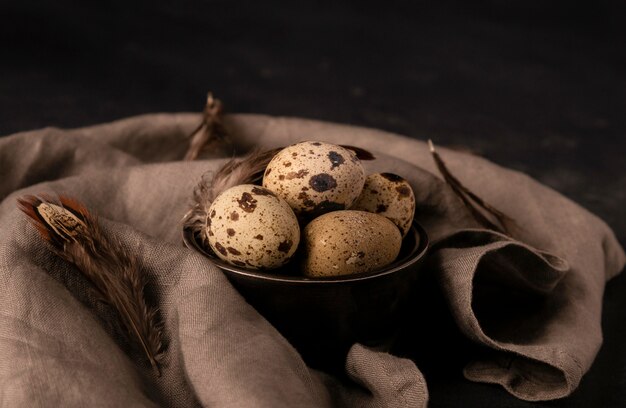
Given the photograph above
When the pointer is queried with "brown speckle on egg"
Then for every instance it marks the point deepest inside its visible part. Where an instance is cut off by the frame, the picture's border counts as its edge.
(220, 248)
(306, 200)
(336, 159)
(247, 203)
(285, 246)
(299, 174)
(403, 191)
(322, 182)
(233, 251)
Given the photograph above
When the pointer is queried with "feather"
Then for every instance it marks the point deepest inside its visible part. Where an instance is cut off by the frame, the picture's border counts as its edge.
(210, 130)
(474, 203)
(247, 170)
(361, 154)
(76, 236)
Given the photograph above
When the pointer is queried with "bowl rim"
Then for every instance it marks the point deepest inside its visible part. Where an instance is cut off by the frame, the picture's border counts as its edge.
(189, 240)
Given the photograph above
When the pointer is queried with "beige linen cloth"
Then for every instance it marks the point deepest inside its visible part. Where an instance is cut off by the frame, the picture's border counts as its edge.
(57, 347)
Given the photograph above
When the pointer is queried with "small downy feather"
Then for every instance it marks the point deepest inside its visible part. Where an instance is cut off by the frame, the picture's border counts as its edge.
(210, 130)
(474, 203)
(76, 236)
(247, 170)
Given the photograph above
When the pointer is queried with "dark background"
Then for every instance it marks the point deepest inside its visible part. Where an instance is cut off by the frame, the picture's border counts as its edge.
(532, 85)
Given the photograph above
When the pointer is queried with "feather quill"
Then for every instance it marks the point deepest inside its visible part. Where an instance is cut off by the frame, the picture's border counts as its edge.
(75, 235)
(210, 130)
(474, 203)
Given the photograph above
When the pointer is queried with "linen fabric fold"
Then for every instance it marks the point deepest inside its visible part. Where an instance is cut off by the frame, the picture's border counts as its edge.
(531, 302)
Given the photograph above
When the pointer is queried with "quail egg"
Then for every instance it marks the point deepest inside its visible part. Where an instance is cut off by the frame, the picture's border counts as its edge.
(389, 195)
(250, 226)
(347, 242)
(315, 177)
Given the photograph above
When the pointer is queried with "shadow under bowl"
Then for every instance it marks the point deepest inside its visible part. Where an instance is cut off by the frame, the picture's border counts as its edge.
(323, 317)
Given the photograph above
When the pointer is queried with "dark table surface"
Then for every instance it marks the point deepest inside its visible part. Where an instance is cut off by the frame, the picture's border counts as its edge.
(536, 87)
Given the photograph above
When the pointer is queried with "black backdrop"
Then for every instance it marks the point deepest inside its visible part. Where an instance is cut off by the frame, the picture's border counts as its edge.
(532, 86)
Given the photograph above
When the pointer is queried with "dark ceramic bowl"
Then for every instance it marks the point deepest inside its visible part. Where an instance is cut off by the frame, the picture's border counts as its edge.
(323, 317)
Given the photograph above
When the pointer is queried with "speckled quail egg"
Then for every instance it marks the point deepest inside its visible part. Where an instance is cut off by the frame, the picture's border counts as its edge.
(315, 177)
(251, 227)
(346, 242)
(389, 195)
